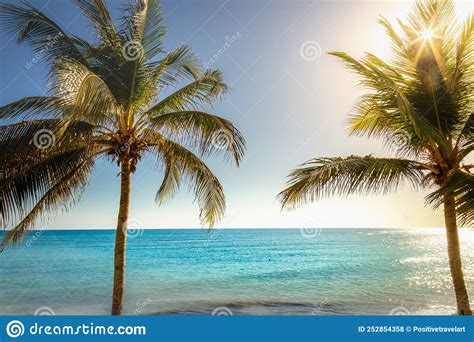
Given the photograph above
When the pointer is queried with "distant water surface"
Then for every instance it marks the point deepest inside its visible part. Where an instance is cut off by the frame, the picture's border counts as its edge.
(238, 271)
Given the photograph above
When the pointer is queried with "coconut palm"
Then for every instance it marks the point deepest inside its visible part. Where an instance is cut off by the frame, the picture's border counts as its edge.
(120, 97)
(421, 104)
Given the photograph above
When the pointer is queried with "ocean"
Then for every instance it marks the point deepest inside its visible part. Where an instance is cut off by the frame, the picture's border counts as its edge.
(236, 271)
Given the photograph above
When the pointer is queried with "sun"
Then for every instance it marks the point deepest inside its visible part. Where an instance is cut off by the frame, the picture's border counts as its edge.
(427, 34)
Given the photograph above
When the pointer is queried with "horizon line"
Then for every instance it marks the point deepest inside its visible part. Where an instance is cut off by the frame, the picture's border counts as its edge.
(236, 228)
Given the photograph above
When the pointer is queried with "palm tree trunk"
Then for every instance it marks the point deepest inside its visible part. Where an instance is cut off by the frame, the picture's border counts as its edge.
(454, 254)
(121, 239)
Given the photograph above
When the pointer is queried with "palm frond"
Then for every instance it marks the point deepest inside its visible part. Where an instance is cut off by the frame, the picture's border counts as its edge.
(182, 164)
(155, 77)
(203, 90)
(206, 132)
(403, 54)
(23, 184)
(461, 185)
(389, 101)
(465, 150)
(465, 53)
(177, 65)
(41, 136)
(323, 177)
(88, 96)
(101, 20)
(171, 180)
(45, 36)
(37, 107)
(143, 23)
(63, 193)
(466, 130)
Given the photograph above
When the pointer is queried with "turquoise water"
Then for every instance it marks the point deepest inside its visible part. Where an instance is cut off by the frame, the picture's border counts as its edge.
(255, 271)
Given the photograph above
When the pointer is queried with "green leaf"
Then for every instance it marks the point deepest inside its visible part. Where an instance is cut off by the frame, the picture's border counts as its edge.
(323, 177)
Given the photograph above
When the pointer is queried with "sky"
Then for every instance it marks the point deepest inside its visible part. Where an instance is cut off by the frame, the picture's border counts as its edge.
(289, 104)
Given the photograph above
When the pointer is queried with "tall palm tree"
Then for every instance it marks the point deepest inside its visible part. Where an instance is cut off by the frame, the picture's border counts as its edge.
(110, 98)
(421, 104)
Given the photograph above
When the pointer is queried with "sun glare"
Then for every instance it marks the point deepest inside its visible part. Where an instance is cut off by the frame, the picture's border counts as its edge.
(427, 34)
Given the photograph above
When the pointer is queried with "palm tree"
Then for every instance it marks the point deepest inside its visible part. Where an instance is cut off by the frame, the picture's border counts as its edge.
(111, 98)
(421, 104)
